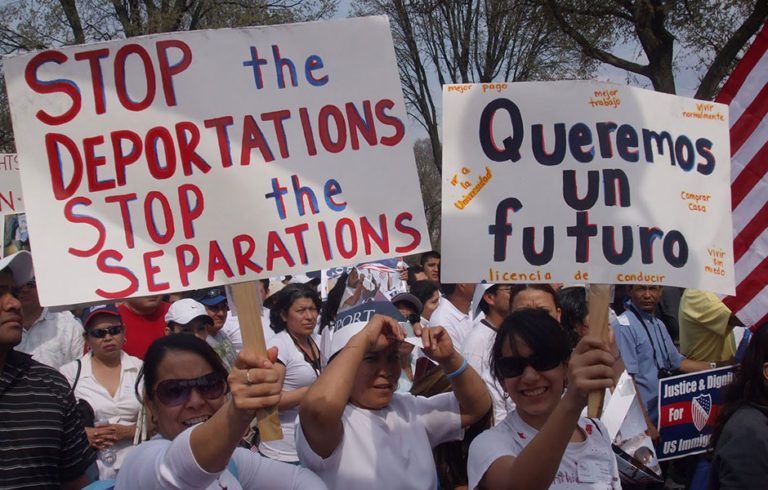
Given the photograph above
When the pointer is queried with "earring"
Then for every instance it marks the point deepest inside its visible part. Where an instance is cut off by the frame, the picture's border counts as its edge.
(505, 395)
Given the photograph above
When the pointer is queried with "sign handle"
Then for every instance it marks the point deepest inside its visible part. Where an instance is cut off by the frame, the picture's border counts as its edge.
(599, 300)
(248, 306)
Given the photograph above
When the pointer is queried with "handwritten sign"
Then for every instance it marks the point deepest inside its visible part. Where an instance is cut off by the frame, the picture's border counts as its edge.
(10, 185)
(688, 406)
(586, 182)
(174, 161)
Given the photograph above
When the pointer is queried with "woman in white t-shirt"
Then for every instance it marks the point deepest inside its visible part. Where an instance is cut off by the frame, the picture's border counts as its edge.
(356, 432)
(105, 378)
(544, 442)
(199, 426)
(293, 317)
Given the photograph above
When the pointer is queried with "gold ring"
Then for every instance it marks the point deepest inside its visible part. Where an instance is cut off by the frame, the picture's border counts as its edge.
(248, 377)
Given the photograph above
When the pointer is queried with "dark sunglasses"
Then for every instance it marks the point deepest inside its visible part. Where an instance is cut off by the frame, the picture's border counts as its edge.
(174, 392)
(100, 333)
(512, 367)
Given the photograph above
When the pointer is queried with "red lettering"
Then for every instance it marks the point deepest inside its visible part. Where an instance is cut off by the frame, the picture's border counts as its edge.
(184, 267)
(217, 261)
(65, 86)
(151, 269)
(91, 162)
(243, 259)
(297, 231)
(101, 263)
(79, 218)
(122, 161)
(187, 153)
(276, 249)
(347, 254)
(167, 71)
(120, 78)
(52, 142)
(163, 135)
(189, 213)
(149, 216)
(370, 234)
(412, 232)
(324, 240)
(97, 77)
(125, 213)
(356, 124)
(277, 118)
(253, 138)
(326, 112)
(396, 123)
(307, 128)
(221, 123)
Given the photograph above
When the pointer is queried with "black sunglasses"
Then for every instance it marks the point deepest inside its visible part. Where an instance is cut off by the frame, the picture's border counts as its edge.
(100, 333)
(512, 367)
(174, 392)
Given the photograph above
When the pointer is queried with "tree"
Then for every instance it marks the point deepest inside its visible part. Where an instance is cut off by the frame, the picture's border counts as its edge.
(714, 32)
(470, 41)
(40, 24)
(429, 180)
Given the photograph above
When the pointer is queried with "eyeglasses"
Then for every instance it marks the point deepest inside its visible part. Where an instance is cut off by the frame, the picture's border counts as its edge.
(100, 333)
(512, 367)
(174, 392)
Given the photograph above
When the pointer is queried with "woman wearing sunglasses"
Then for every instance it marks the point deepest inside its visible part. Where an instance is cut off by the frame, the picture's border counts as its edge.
(293, 317)
(544, 443)
(199, 426)
(105, 378)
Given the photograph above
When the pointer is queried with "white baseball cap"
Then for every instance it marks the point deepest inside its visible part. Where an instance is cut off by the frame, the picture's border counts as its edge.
(185, 310)
(351, 321)
(20, 264)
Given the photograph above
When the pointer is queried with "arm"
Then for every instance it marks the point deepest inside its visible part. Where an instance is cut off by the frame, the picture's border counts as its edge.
(470, 390)
(213, 441)
(292, 398)
(323, 405)
(589, 369)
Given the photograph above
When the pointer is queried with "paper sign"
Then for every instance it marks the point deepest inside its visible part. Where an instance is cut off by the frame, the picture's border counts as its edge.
(10, 185)
(585, 182)
(181, 160)
(688, 406)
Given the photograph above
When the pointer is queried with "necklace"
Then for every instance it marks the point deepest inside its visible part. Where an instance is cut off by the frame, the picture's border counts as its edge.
(313, 358)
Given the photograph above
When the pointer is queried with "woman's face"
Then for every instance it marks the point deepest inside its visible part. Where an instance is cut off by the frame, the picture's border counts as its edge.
(172, 420)
(535, 299)
(301, 317)
(376, 379)
(535, 393)
(103, 337)
(431, 305)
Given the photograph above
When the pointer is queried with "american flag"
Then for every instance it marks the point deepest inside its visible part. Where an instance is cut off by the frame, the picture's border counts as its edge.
(746, 92)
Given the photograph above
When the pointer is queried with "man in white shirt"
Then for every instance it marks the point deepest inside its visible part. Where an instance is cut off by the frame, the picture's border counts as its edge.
(52, 338)
(494, 303)
(453, 312)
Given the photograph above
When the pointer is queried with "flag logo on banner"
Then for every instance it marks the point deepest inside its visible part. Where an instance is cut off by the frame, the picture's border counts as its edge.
(701, 407)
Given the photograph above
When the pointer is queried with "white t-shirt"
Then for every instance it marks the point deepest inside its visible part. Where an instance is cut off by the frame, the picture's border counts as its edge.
(55, 338)
(477, 351)
(298, 374)
(122, 409)
(590, 464)
(457, 324)
(160, 463)
(388, 448)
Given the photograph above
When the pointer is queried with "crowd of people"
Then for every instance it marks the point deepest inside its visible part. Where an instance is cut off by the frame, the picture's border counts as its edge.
(424, 385)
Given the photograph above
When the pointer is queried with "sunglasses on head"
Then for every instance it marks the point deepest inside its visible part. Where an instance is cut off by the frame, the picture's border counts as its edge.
(100, 333)
(512, 367)
(174, 392)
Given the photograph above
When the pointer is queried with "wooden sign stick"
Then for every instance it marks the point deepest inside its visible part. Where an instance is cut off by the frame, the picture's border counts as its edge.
(599, 300)
(248, 307)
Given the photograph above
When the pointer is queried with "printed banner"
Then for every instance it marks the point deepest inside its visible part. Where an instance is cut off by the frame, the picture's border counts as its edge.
(688, 406)
(181, 160)
(10, 185)
(585, 182)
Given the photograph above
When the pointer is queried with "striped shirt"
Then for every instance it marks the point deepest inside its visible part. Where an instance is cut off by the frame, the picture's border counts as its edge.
(42, 441)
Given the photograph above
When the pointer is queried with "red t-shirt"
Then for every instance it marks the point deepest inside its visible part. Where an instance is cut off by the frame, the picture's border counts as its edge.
(141, 330)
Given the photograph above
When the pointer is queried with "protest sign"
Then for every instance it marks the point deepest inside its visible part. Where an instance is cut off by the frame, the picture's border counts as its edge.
(10, 185)
(585, 182)
(169, 162)
(688, 406)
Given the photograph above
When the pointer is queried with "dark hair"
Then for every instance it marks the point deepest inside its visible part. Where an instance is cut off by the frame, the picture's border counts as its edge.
(285, 298)
(428, 255)
(537, 329)
(573, 310)
(424, 290)
(448, 288)
(412, 271)
(518, 288)
(332, 303)
(749, 386)
(177, 341)
(484, 306)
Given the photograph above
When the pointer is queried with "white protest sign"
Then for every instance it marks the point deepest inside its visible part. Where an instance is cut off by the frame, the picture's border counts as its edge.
(585, 182)
(10, 185)
(174, 161)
